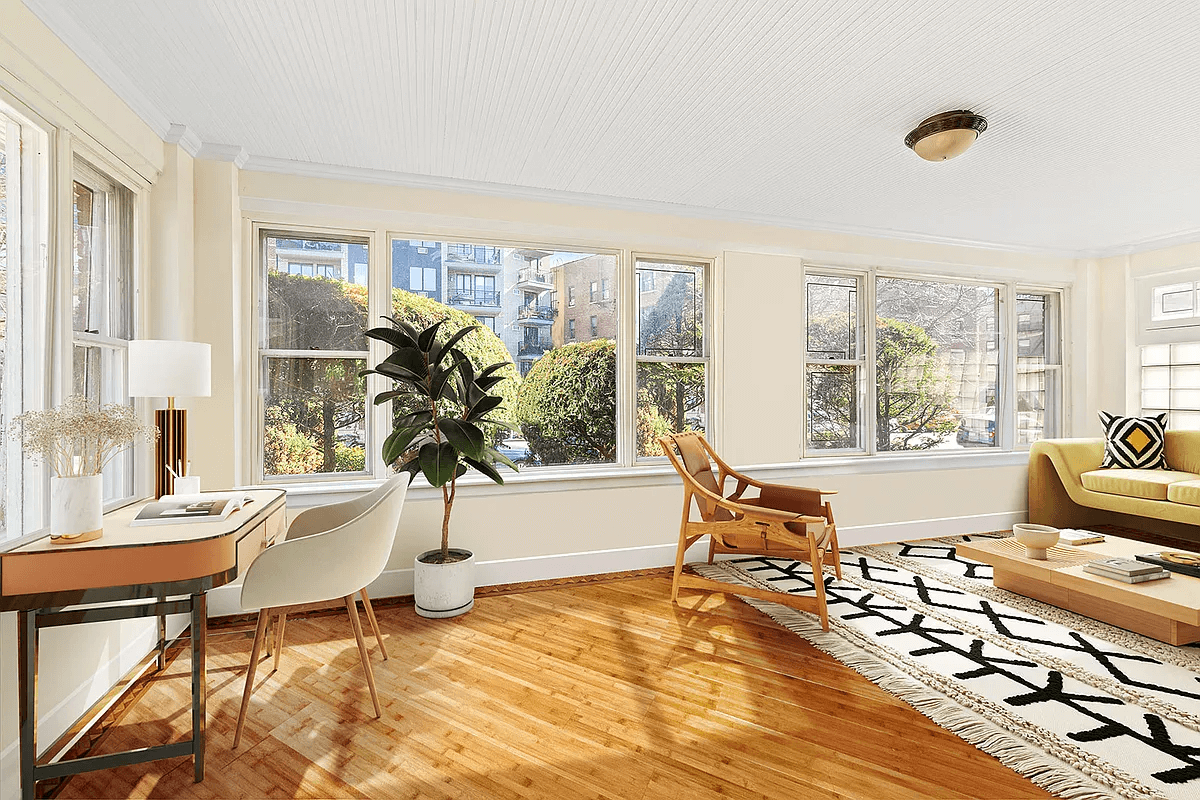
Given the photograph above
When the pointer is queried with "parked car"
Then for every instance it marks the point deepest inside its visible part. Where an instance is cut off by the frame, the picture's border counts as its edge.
(517, 449)
(978, 428)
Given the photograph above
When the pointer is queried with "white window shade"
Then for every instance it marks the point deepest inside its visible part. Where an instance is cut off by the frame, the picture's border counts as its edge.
(1168, 307)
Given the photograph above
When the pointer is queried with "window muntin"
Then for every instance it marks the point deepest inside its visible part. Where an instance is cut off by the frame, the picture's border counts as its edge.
(1171, 383)
(672, 351)
(315, 414)
(102, 301)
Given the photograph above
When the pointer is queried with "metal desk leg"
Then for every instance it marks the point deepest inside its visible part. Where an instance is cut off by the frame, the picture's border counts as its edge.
(199, 681)
(27, 658)
(162, 636)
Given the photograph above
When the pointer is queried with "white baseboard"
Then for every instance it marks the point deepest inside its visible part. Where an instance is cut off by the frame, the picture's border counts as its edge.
(397, 582)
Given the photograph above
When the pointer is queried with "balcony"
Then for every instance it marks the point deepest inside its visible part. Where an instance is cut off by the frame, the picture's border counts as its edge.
(532, 279)
(536, 314)
(534, 350)
(476, 298)
(477, 260)
(308, 245)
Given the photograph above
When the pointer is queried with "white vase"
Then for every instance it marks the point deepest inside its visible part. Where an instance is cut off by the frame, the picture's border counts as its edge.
(444, 590)
(76, 508)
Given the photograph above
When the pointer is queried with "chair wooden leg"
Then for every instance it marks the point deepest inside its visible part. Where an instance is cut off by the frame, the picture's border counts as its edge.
(683, 544)
(352, 607)
(712, 549)
(259, 635)
(374, 622)
(279, 628)
(818, 571)
(837, 553)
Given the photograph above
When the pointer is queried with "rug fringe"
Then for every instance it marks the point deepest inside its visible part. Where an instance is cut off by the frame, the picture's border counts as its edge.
(1045, 770)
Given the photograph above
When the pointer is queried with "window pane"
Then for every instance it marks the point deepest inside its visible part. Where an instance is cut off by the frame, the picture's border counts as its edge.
(98, 373)
(1038, 390)
(102, 259)
(315, 416)
(670, 309)
(1187, 353)
(1176, 301)
(560, 406)
(671, 399)
(937, 365)
(833, 407)
(323, 306)
(1156, 354)
(832, 316)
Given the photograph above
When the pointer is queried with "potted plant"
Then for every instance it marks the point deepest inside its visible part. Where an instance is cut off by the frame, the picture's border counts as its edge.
(441, 430)
(77, 439)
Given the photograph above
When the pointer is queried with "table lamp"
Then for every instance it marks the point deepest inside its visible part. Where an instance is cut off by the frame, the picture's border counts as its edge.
(170, 369)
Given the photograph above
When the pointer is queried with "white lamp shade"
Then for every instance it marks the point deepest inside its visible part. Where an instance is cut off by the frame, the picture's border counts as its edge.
(164, 368)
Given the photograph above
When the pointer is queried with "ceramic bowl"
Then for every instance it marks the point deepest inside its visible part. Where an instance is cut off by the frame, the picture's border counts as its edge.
(1036, 538)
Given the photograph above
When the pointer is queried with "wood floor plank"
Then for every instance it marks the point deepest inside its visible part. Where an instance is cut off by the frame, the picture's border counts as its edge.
(601, 690)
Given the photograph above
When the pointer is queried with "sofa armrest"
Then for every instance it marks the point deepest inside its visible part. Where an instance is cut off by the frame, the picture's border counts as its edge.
(1070, 457)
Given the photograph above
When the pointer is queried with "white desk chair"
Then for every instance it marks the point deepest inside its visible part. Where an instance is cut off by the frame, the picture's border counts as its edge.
(330, 552)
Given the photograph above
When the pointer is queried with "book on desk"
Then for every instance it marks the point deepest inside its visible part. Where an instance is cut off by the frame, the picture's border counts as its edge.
(175, 509)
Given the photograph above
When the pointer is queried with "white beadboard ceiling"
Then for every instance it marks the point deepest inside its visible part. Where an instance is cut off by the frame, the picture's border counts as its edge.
(789, 111)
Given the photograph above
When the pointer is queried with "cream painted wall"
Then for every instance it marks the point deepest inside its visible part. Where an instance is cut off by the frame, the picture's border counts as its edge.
(172, 257)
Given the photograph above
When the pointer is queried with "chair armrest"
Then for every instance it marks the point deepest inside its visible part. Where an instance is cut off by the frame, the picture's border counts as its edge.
(322, 518)
(753, 512)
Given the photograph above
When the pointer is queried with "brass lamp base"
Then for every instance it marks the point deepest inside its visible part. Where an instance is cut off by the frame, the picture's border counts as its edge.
(171, 449)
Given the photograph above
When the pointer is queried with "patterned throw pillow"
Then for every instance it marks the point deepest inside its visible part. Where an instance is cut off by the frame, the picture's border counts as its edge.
(1134, 442)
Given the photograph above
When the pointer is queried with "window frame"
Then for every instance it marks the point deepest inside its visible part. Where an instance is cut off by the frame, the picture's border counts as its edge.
(373, 416)
(83, 166)
(708, 359)
(1006, 416)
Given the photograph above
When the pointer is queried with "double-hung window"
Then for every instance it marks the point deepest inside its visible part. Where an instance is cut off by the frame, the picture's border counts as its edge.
(24, 300)
(102, 301)
(672, 350)
(315, 417)
(912, 364)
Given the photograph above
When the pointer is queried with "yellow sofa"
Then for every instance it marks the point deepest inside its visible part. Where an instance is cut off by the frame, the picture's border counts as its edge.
(1068, 489)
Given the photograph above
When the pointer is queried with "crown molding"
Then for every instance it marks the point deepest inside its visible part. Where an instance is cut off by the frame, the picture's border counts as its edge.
(185, 137)
(234, 153)
(59, 20)
(306, 169)
(1162, 242)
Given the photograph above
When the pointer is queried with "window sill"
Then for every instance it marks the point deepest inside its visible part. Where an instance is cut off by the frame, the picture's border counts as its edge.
(302, 495)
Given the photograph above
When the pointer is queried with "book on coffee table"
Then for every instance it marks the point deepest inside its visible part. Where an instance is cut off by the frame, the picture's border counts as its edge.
(1119, 576)
(1124, 566)
(1076, 537)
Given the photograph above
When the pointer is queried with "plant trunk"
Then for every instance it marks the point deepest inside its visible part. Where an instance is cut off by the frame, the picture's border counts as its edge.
(448, 505)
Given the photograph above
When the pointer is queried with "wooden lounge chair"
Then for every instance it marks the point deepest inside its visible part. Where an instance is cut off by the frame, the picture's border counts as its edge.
(782, 522)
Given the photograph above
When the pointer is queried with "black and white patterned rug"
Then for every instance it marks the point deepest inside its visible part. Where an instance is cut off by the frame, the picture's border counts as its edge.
(1083, 709)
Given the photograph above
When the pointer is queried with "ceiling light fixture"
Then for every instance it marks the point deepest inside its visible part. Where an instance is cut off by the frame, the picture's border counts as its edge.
(946, 135)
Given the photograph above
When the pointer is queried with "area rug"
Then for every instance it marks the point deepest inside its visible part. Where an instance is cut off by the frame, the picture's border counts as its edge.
(1081, 708)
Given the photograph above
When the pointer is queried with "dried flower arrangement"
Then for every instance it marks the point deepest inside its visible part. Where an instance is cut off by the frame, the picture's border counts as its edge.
(78, 438)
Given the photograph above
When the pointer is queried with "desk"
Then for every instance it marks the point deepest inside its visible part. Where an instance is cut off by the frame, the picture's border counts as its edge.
(45, 583)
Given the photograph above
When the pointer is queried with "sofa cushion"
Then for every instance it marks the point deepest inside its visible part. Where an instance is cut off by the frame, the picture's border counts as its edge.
(1186, 492)
(1150, 484)
(1134, 442)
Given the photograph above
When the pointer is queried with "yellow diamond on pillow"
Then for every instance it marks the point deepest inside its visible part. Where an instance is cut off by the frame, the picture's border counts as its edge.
(1137, 439)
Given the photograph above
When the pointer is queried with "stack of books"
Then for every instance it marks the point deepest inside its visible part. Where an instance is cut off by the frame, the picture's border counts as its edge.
(1126, 570)
(1073, 536)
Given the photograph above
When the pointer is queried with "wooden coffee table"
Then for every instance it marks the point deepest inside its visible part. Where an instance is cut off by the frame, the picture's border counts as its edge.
(1167, 610)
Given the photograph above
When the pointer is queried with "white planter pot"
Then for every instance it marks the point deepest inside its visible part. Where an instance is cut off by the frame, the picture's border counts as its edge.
(76, 509)
(444, 590)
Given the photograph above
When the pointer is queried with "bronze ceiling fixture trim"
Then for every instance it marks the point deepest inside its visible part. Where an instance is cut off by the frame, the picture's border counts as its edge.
(946, 135)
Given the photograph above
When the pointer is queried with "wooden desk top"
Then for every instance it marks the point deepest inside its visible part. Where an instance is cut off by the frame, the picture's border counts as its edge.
(127, 555)
(1177, 597)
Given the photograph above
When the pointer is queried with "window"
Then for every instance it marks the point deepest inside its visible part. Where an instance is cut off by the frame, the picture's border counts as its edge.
(571, 329)
(487, 322)
(934, 380)
(1039, 366)
(592, 292)
(672, 351)
(836, 365)
(571, 296)
(604, 291)
(315, 417)
(24, 299)
(1171, 383)
(595, 327)
(102, 301)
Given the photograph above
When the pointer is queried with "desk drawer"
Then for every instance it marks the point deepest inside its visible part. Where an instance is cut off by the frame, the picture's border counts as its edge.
(258, 539)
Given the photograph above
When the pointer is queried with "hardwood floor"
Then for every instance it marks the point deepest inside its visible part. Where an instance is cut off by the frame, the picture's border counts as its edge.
(595, 690)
